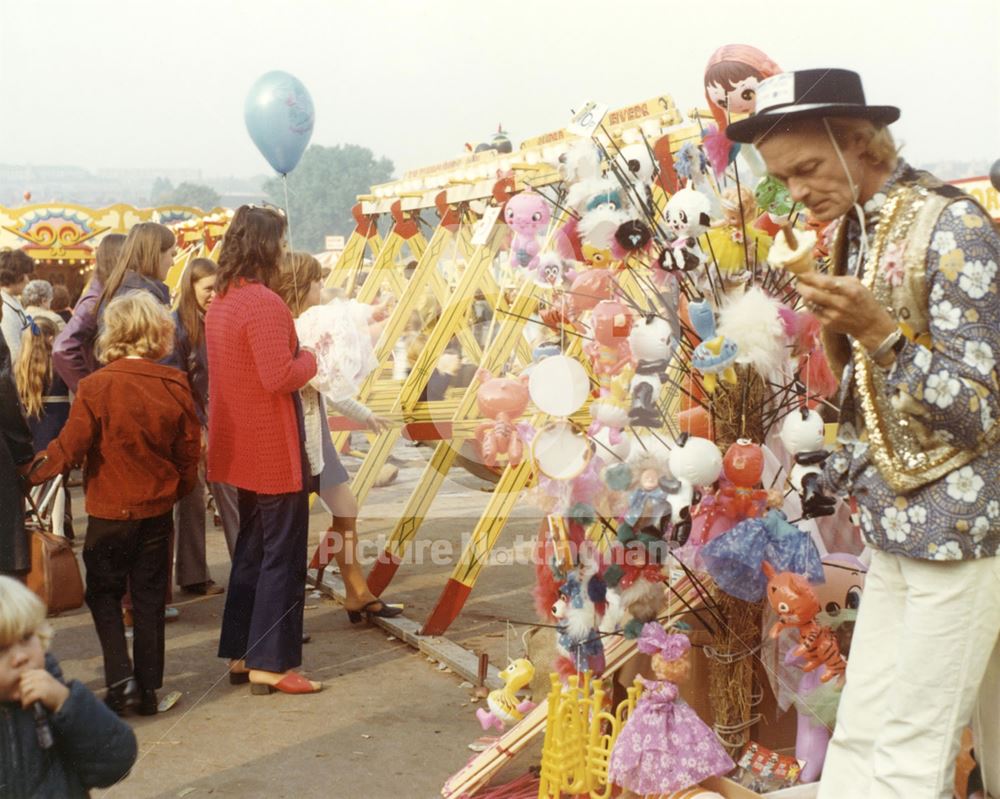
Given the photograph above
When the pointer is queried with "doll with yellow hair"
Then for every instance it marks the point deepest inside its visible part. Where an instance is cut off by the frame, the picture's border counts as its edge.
(664, 746)
(735, 243)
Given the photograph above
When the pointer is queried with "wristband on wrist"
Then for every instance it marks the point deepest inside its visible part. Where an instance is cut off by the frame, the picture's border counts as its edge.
(892, 343)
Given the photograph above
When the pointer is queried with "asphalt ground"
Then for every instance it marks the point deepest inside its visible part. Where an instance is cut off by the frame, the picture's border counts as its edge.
(389, 722)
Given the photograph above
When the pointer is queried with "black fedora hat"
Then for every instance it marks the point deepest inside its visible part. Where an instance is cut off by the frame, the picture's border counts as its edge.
(808, 93)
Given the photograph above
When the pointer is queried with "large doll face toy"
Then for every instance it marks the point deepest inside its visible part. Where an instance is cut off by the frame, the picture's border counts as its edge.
(732, 76)
(739, 97)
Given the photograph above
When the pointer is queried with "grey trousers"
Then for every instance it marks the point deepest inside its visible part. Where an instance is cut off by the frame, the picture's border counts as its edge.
(227, 503)
(191, 566)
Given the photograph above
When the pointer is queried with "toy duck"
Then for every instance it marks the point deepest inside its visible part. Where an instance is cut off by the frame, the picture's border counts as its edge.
(504, 704)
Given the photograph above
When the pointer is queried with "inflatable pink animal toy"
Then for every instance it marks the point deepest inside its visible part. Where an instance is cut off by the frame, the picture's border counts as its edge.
(502, 400)
(527, 214)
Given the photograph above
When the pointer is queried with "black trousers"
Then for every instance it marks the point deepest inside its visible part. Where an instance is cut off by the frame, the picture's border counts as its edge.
(262, 621)
(133, 553)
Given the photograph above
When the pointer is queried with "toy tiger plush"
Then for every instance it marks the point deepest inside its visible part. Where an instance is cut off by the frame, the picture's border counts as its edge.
(795, 602)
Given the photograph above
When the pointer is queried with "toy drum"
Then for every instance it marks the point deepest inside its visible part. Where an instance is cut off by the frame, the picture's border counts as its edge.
(560, 451)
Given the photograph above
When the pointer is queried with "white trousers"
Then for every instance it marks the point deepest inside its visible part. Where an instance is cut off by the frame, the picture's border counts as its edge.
(925, 661)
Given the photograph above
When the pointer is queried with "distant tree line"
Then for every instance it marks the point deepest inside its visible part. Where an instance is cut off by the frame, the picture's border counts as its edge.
(195, 194)
(324, 187)
(321, 191)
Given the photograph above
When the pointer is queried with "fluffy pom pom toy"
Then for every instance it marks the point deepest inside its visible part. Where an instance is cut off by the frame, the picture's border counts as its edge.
(753, 322)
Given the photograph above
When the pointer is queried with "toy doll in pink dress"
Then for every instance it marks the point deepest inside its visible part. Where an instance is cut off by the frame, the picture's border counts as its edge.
(664, 746)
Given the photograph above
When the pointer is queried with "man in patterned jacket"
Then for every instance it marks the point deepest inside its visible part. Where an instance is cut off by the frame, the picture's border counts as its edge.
(911, 322)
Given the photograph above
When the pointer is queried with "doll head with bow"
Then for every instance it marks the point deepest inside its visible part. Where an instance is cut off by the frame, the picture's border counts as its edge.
(670, 659)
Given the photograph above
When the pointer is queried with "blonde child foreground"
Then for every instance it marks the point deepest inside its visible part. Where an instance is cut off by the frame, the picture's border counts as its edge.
(134, 429)
(90, 746)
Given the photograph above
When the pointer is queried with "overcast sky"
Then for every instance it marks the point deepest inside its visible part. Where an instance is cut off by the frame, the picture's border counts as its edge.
(108, 83)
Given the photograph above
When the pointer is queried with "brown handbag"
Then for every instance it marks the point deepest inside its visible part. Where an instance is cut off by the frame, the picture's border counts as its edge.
(55, 572)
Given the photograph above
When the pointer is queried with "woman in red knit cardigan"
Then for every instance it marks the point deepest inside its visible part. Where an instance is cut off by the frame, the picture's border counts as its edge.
(255, 443)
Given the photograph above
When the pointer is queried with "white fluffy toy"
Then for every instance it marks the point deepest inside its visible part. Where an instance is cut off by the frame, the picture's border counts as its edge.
(752, 321)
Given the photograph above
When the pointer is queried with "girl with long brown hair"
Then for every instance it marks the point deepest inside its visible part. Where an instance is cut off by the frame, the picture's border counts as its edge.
(255, 443)
(197, 290)
(73, 354)
(145, 259)
(299, 286)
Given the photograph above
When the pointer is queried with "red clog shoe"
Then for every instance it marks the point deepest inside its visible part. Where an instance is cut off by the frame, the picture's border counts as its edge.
(291, 683)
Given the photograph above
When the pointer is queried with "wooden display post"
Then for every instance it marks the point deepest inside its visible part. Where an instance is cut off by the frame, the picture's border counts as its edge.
(364, 238)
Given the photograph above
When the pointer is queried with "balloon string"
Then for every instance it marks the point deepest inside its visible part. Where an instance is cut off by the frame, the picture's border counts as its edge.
(288, 221)
(291, 249)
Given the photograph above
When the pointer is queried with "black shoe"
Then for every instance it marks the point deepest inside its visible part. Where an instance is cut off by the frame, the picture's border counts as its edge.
(374, 608)
(122, 697)
(149, 705)
(207, 588)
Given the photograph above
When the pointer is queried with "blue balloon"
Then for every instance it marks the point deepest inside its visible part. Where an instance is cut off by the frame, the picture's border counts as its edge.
(279, 116)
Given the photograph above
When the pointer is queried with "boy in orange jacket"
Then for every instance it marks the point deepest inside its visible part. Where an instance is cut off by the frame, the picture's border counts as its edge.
(134, 427)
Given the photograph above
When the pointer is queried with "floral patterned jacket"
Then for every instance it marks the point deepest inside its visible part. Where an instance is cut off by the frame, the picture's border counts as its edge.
(956, 381)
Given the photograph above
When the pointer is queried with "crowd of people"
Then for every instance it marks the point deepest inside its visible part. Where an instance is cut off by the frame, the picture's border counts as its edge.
(162, 403)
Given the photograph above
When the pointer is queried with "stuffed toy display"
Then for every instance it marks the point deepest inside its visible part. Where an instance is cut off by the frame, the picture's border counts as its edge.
(664, 746)
(668, 285)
